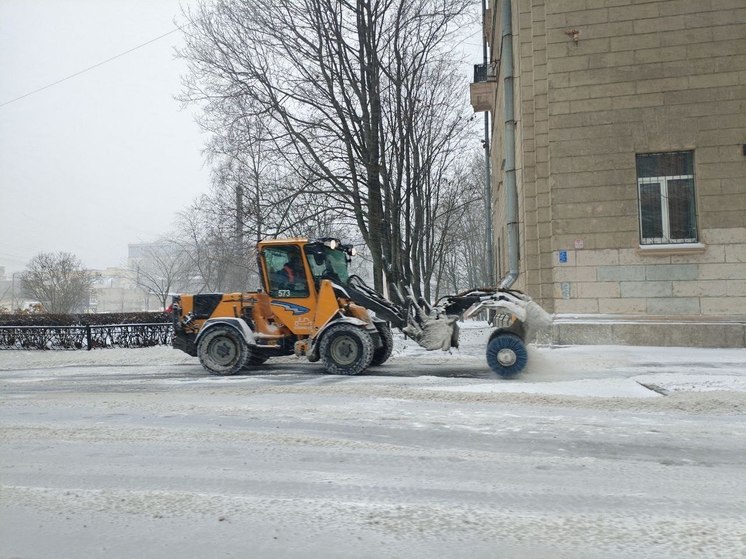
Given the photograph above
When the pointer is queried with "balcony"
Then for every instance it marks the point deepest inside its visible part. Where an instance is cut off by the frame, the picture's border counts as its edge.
(482, 90)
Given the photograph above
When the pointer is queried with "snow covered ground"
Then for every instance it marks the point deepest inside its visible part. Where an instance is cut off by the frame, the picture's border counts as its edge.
(594, 451)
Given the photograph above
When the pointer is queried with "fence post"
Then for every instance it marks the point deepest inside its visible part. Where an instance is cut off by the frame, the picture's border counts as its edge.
(88, 339)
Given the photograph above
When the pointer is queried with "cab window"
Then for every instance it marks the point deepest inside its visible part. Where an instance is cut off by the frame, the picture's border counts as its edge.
(327, 263)
(285, 271)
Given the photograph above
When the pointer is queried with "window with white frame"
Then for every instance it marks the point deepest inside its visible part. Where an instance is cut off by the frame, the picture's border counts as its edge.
(668, 211)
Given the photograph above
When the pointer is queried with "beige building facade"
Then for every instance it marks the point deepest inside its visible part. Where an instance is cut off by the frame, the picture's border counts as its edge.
(630, 162)
(116, 291)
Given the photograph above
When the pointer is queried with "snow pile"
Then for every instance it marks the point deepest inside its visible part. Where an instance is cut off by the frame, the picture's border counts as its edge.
(596, 388)
(692, 382)
(437, 333)
(35, 359)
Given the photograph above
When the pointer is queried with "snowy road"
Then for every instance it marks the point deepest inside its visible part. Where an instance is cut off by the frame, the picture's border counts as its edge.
(139, 454)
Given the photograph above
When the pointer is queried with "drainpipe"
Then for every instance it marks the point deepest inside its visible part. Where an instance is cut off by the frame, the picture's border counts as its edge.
(511, 188)
(487, 172)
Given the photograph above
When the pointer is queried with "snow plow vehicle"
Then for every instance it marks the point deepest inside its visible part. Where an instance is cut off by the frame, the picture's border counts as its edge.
(310, 306)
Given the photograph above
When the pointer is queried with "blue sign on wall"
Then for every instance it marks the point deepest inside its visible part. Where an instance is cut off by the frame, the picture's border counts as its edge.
(563, 257)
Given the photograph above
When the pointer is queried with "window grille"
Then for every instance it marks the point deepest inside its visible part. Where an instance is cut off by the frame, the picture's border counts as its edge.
(667, 204)
(480, 72)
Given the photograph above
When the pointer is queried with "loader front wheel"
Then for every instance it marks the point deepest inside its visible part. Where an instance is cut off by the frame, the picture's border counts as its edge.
(346, 349)
(506, 355)
(382, 354)
(222, 351)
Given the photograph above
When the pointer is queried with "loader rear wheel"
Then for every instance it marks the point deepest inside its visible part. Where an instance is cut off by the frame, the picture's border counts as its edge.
(506, 355)
(222, 351)
(346, 349)
(382, 354)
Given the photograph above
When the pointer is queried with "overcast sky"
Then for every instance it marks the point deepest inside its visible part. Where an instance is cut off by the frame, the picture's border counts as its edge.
(105, 158)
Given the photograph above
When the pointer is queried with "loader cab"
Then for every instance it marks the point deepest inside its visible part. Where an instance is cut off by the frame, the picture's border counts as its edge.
(295, 270)
(286, 274)
(295, 293)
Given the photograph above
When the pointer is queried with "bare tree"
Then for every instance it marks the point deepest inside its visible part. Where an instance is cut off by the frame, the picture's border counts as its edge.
(58, 281)
(428, 138)
(255, 194)
(252, 185)
(216, 260)
(339, 81)
(464, 264)
(162, 269)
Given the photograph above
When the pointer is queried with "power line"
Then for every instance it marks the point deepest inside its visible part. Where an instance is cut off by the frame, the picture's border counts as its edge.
(121, 54)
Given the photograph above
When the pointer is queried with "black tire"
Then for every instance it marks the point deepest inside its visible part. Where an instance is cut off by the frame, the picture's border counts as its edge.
(346, 349)
(507, 355)
(382, 354)
(223, 351)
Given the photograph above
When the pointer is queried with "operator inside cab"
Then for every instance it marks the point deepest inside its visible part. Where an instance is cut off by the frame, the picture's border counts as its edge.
(287, 275)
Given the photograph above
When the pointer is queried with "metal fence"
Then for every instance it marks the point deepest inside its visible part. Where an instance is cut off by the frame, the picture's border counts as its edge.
(85, 336)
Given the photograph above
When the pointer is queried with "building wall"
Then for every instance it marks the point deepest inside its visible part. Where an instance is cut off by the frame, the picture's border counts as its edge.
(116, 291)
(642, 77)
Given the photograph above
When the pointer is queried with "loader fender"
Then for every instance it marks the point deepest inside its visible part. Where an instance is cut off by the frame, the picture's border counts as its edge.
(313, 352)
(239, 324)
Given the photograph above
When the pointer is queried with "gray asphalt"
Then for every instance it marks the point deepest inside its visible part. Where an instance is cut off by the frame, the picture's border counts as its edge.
(163, 461)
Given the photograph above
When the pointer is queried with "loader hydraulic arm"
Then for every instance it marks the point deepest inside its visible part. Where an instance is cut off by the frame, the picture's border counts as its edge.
(369, 298)
(430, 328)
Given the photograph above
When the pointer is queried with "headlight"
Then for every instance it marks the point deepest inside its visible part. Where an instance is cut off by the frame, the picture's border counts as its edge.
(353, 251)
(332, 244)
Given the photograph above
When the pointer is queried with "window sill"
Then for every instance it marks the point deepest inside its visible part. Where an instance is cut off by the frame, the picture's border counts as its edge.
(671, 249)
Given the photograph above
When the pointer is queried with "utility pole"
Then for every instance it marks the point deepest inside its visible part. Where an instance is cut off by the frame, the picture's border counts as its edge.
(237, 281)
(13, 292)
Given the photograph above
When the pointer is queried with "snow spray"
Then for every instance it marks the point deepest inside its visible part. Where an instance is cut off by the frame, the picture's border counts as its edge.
(538, 324)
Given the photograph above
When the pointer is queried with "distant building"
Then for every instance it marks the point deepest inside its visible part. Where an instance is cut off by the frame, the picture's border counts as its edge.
(116, 291)
(142, 253)
(11, 296)
(629, 126)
